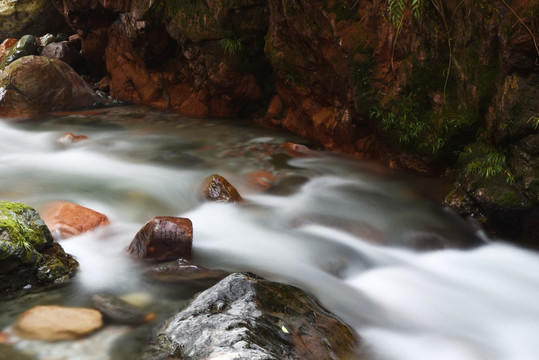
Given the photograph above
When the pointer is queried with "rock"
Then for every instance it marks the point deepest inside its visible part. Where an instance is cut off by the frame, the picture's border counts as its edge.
(7, 352)
(47, 39)
(183, 272)
(65, 52)
(27, 45)
(69, 138)
(4, 47)
(70, 219)
(217, 188)
(19, 17)
(261, 179)
(117, 310)
(245, 317)
(28, 256)
(55, 323)
(34, 84)
(163, 238)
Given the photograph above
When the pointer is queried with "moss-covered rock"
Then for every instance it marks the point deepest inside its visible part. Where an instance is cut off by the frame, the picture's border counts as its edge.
(28, 256)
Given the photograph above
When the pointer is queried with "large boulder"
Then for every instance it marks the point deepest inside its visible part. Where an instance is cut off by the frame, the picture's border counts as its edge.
(163, 238)
(28, 256)
(34, 84)
(245, 317)
(55, 323)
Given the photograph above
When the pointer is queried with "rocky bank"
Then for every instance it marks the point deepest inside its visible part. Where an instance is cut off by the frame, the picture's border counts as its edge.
(436, 87)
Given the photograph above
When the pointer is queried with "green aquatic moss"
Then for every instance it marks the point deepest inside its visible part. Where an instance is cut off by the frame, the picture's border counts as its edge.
(22, 232)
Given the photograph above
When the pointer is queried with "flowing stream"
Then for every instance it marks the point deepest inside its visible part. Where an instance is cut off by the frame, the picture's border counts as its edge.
(363, 239)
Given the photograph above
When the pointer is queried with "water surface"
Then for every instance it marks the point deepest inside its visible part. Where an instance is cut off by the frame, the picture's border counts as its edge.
(372, 244)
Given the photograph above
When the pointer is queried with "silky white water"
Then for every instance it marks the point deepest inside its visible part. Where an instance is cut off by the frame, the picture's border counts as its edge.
(354, 234)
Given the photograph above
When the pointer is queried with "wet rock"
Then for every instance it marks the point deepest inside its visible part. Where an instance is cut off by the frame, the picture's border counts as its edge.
(183, 272)
(245, 317)
(68, 219)
(29, 260)
(69, 138)
(55, 323)
(27, 45)
(261, 179)
(163, 238)
(19, 17)
(217, 188)
(117, 310)
(47, 39)
(7, 352)
(4, 47)
(65, 52)
(34, 84)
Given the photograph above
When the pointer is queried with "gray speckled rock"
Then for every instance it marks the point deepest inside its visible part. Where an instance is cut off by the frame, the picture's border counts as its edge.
(245, 317)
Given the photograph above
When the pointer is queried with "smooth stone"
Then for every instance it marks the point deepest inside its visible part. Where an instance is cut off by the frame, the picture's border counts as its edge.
(118, 310)
(55, 323)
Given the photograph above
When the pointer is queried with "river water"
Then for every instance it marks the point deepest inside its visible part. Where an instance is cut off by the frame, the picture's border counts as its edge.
(371, 244)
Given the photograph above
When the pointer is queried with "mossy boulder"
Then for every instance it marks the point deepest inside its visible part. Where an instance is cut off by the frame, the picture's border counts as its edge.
(29, 257)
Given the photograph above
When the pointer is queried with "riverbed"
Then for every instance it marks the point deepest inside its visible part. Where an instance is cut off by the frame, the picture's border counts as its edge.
(374, 245)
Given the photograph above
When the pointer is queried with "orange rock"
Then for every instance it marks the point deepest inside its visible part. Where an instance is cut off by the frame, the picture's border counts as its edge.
(296, 150)
(261, 179)
(69, 138)
(71, 219)
(217, 188)
(6, 45)
(55, 323)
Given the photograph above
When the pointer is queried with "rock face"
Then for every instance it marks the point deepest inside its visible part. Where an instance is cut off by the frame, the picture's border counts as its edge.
(410, 86)
(217, 188)
(70, 219)
(55, 323)
(28, 256)
(163, 238)
(245, 317)
(21, 17)
(35, 84)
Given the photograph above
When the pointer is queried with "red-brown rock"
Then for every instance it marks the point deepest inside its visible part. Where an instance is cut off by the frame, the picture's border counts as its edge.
(163, 238)
(217, 188)
(71, 219)
(69, 138)
(34, 84)
(6, 44)
(64, 51)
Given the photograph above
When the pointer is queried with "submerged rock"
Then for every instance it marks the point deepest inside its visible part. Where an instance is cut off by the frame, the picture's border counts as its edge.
(69, 138)
(163, 238)
(118, 310)
(245, 317)
(28, 256)
(34, 84)
(217, 188)
(70, 219)
(55, 323)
